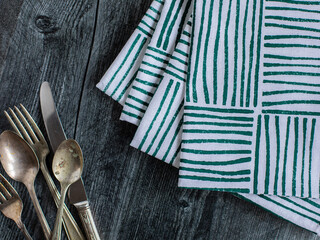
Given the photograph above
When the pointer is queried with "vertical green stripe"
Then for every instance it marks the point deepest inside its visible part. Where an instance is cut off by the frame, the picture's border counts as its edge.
(305, 121)
(256, 164)
(165, 116)
(236, 39)
(295, 156)
(276, 178)
(205, 54)
(123, 62)
(168, 129)
(285, 158)
(243, 71)
(257, 66)
(267, 177)
(226, 58)
(165, 23)
(175, 17)
(215, 60)
(191, 52)
(310, 152)
(176, 134)
(196, 65)
(157, 113)
(251, 53)
(130, 67)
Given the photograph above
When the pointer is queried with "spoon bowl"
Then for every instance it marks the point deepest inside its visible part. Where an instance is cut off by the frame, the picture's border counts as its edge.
(21, 164)
(17, 158)
(67, 167)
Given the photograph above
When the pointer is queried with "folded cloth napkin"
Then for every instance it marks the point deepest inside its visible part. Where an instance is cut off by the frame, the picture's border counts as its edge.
(302, 212)
(251, 115)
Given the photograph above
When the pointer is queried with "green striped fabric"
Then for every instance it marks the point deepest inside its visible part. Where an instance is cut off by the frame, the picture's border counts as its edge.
(160, 131)
(254, 70)
(174, 16)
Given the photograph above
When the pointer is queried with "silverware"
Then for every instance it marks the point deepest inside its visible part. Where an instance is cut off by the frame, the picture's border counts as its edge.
(77, 195)
(11, 205)
(25, 126)
(67, 167)
(21, 164)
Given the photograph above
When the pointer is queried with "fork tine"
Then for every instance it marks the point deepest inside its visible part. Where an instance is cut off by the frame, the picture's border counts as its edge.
(27, 125)
(32, 122)
(12, 123)
(9, 188)
(4, 192)
(20, 126)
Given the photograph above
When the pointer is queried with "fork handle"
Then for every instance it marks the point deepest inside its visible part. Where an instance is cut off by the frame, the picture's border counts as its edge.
(71, 227)
(23, 229)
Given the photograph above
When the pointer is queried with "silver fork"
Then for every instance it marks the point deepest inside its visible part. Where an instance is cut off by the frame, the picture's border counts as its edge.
(11, 205)
(26, 127)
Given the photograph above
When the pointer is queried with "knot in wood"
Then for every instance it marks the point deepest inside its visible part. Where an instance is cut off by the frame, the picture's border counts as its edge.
(45, 24)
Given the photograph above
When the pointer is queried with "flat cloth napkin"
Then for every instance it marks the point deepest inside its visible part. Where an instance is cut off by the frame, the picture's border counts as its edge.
(167, 122)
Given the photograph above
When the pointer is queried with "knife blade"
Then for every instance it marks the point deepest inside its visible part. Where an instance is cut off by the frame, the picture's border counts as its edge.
(77, 194)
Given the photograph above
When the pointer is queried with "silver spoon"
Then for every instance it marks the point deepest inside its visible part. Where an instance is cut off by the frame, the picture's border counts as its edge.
(67, 167)
(21, 164)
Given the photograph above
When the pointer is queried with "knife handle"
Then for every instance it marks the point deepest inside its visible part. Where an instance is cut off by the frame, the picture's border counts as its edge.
(87, 220)
(70, 225)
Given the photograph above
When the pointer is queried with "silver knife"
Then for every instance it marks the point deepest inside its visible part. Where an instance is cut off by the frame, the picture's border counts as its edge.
(77, 194)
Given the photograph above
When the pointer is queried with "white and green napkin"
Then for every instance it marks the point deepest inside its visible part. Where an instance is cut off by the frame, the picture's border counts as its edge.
(159, 133)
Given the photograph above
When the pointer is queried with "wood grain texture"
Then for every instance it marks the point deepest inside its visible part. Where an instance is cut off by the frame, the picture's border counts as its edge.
(132, 195)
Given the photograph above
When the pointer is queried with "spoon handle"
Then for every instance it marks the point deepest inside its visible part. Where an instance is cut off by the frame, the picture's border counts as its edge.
(41, 217)
(23, 229)
(56, 234)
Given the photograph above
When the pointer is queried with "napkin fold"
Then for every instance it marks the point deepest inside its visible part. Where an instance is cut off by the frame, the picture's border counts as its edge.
(160, 131)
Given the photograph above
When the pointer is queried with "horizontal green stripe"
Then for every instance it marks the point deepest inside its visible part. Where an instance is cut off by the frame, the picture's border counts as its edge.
(267, 104)
(142, 91)
(291, 73)
(289, 57)
(289, 91)
(173, 74)
(186, 33)
(135, 107)
(292, 27)
(144, 31)
(290, 65)
(307, 113)
(219, 124)
(146, 83)
(223, 173)
(147, 25)
(152, 65)
(215, 152)
(229, 141)
(138, 100)
(218, 163)
(184, 42)
(179, 60)
(132, 115)
(292, 19)
(291, 83)
(155, 10)
(231, 118)
(157, 58)
(183, 53)
(150, 73)
(272, 37)
(246, 133)
(287, 45)
(224, 110)
(151, 17)
(176, 68)
(157, 50)
(212, 179)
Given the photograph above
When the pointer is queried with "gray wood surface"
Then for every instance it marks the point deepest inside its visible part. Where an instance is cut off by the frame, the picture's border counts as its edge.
(71, 43)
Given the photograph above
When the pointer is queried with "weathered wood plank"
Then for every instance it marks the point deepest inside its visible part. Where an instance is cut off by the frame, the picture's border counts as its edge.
(133, 196)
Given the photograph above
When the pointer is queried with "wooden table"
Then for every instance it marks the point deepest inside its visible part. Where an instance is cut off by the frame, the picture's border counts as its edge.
(71, 43)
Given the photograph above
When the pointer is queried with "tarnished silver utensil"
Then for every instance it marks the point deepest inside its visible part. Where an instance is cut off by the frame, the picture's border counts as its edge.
(21, 164)
(67, 167)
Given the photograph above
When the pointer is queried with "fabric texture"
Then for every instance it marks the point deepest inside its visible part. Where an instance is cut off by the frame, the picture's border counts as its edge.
(170, 125)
